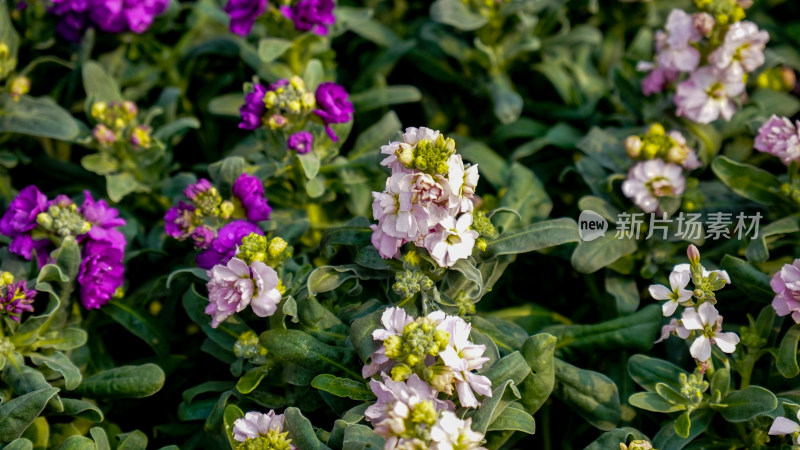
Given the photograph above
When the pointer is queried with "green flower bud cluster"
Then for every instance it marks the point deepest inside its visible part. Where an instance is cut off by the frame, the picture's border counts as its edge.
(6, 346)
(705, 286)
(271, 252)
(419, 340)
(411, 282)
(273, 440)
(427, 156)
(693, 386)
(116, 115)
(8, 62)
(781, 79)
(464, 304)
(420, 419)
(63, 219)
(792, 191)
(723, 11)
(249, 347)
(208, 203)
(6, 278)
(291, 100)
(638, 444)
(656, 143)
(693, 198)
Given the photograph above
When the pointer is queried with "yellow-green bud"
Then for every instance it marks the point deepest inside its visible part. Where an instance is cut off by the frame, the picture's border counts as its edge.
(99, 110)
(20, 86)
(657, 129)
(44, 220)
(633, 146)
(6, 278)
(297, 83)
(401, 372)
(226, 209)
(424, 412)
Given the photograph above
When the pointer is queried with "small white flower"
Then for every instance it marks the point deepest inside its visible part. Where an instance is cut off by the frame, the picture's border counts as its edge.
(708, 323)
(452, 240)
(462, 357)
(675, 294)
(462, 182)
(782, 426)
(709, 93)
(394, 320)
(673, 46)
(255, 424)
(267, 296)
(410, 139)
(648, 180)
(674, 326)
(452, 433)
(744, 46)
(688, 269)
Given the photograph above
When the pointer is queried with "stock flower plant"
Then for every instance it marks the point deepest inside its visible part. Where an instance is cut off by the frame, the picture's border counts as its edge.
(446, 225)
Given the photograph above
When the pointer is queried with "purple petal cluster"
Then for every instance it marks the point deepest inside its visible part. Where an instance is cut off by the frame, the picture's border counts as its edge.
(311, 15)
(243, 14)
(333, 106)
(100, 274)
(300, 142)
(112, 16)
(249, 190)
(16, 299)
(223, 248)
(253, 108)
(20, 218)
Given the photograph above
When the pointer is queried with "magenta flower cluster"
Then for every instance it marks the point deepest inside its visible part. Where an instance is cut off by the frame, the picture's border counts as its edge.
(101, 271)
(215, 226)
(111, 16)
(307, 15)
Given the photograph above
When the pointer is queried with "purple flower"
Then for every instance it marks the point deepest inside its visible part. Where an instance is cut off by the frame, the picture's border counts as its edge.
(73, 18)
(103, 219)
(24, 245)
(779, 137)
(224, 246)
(119, 16)
(235, 285)
(334, 107)
(179, 221)
(249, 190)
(20, 217)
(311, 15)
(203, 236)
(253, 108)
(786, 285)
(243, 14)
(300, 142)
(193, 190)
(16, 299)
(657, 80)
(101, 273)
(709, 93)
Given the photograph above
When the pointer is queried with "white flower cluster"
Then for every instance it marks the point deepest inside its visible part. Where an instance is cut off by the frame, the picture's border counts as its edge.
(701, 320)
(261, 431)
(711, 89)
(427, 200)
(420, 360)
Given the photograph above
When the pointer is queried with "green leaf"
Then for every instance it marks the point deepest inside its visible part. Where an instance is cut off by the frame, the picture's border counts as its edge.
(135, 440)
(301, 349)
(507, 335)
(507, 102)
(625, 293)
(637, 331)
(748, 403)
(612, 439)
(78, 443)
(361, 437)
(328, 278)
(379, 133)
(648, 372)
(749, 279)
(270, 49)
(525, 195)
(301, 431)
(315, 187)
(721, 381)
(100, 163)
(787, 353)
(491, 166)
(36, 116)
(591, 256)
(60, 363)
(229, 416)
(455, 13)
(252, 378)
(196, 271)
(671, 395)
(121, 184)
(100, 438)
(757, 250)
(535, 236)
(491, 408)
(650, 401)
(226, 171)
(592, 395)
(17, 414)
(512, 367)
(750, 182)
(538, 352)
(82, 409)
(313, 75)
(667, 438)
(23, 380)
(226, 333)
(140, 323)
(513, 418)
(384, 96)
(361, 334)
(175, 127)
(683, 425)
(310, 164)
(123, 382)
(98, 85)
(19, 444)
(226, 105)
(343, 387)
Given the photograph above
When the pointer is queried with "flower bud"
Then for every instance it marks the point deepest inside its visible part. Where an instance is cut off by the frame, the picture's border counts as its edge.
(657, 129)
(104, 135)
(20, 86)
(633, 146)
(677, 154)
(703, 23)
(693, 253)
(405, 154)
(226, 209)
(140, 137)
